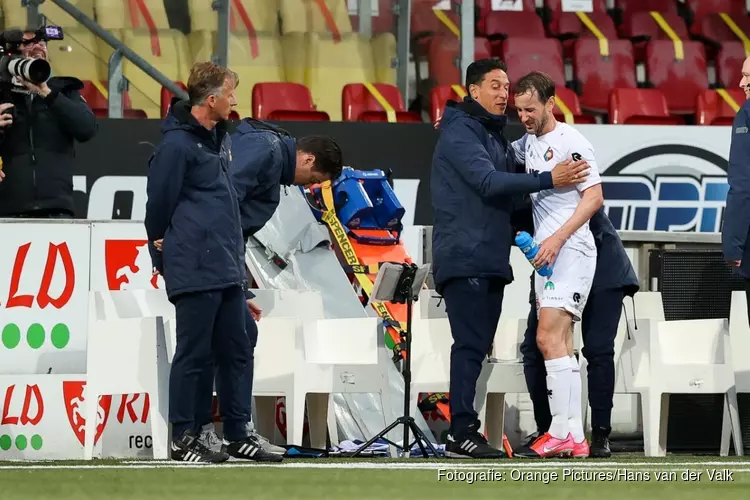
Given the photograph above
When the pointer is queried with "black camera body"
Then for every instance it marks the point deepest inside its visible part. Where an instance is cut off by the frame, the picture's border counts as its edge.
(14, 67)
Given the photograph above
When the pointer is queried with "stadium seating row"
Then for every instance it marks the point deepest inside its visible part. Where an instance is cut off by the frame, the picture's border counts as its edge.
(324, 65)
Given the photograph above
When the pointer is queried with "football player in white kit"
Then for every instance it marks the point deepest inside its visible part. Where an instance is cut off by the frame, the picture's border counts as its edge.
(561, 227)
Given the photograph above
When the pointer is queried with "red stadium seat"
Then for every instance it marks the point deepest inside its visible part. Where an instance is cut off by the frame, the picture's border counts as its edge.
(624, 8)
(503, 25)
(703, 10)
(640, 107)
(425, 24)
(597, 76)
(681, 80)
(571, 28)
(99, 104)
(729, 64)
(557, 19)
(284, 101)
(484, 12)
(524, 55)
(640, 27)
(712, 109)
(570, 100)
(441, 94)
(443, 54)
(713, 28)
(166, 98)
(358, 104)
(384, 22)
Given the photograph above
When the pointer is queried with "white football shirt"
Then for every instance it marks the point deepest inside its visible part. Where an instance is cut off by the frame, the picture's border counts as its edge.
(553, 207)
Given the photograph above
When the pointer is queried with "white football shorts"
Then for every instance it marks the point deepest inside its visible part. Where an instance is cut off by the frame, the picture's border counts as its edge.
(569, 285)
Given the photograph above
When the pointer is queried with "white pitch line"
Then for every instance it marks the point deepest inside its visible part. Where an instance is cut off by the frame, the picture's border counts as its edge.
(362, 466)
(465, 464)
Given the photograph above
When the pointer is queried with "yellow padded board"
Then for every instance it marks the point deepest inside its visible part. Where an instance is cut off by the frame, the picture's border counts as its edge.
(306, 16)
(264, 15)
(331, 65)
(115, 14)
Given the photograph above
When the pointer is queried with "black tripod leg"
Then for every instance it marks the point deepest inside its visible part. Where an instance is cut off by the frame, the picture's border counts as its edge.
(420, 438)
(379, 435)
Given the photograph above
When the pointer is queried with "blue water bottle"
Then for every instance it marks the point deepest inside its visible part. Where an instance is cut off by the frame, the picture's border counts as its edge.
(528, 246)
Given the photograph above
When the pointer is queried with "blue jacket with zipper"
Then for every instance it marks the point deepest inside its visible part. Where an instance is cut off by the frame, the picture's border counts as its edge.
(473, 184)
(264, 159)
(734, 233)
(192, 206)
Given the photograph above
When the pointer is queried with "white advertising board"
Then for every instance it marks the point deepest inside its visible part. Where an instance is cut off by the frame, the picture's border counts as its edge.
(44, 285)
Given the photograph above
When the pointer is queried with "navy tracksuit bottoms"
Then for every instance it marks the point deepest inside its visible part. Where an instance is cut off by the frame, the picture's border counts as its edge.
(599, 328)
(473, 306)
(203, 410)
(210, 332)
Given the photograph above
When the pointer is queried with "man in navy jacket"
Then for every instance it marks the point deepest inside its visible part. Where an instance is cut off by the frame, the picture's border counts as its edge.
(192, 212)
(734, 233)
(473, 183)
(265, 158)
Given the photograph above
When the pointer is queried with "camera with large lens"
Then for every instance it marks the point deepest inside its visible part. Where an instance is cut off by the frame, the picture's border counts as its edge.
(14, 67)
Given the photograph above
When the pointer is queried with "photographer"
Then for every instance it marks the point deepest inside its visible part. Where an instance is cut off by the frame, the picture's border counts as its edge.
(39, 124)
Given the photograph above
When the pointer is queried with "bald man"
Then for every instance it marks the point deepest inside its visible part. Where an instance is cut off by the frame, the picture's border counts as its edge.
(734, 234)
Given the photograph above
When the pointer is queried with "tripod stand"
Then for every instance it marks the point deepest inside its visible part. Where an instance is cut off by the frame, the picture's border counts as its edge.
(401, 283)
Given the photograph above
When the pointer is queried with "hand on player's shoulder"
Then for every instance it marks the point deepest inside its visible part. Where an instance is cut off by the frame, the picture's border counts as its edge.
(570, 172)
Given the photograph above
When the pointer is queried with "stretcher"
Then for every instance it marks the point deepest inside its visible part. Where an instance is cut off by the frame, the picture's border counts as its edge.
(364, 216)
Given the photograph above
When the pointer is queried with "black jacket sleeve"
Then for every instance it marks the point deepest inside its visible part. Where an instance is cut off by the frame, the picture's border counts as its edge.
(73, 112)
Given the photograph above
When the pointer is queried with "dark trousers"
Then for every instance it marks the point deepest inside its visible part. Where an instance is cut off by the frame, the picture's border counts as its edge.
(747, 298)
(210, 328)
(206, 385)
(473, 306)
(599, 329)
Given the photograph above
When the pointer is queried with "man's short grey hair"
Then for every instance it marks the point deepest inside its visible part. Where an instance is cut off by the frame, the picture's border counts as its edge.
(208, 79)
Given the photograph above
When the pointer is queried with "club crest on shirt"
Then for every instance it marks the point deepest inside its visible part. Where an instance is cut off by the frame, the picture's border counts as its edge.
(548, 154)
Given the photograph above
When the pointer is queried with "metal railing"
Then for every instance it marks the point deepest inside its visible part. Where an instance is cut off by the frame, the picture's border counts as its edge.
(402, 10)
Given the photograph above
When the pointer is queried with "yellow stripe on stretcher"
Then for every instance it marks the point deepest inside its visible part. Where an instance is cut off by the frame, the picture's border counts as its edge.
(443, 18)
(737, 31)
(565, 110)
(603, 42)
(389, 111)
(347, 250)
(102, 90)
(459, 90)
(679, 51)
(729, 99)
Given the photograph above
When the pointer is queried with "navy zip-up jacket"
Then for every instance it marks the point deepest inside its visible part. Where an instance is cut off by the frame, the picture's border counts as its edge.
(472, 184)
(192, 205)
(613, 267)
(734, 233)
(265, 158)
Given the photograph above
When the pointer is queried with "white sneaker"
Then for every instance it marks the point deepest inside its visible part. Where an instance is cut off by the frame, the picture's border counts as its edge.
(209, 438)
(265, 444)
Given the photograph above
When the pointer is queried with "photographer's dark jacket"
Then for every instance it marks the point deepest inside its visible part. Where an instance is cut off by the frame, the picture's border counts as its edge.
(38, 149)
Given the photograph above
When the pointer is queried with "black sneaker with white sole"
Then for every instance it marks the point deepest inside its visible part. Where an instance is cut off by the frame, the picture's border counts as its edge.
(250, 449)
(189, 449)
(473, 445)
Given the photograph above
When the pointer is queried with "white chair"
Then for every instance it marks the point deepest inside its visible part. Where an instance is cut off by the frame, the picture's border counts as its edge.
(739, 337)
(688, 357)
(306, 358)
(632, 343)
(431, 342)
(127, 353)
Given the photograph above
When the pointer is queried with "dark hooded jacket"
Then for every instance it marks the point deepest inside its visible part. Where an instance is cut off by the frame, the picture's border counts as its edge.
(473, 184)
(38, 149)
(264, 159)
(192, 205)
